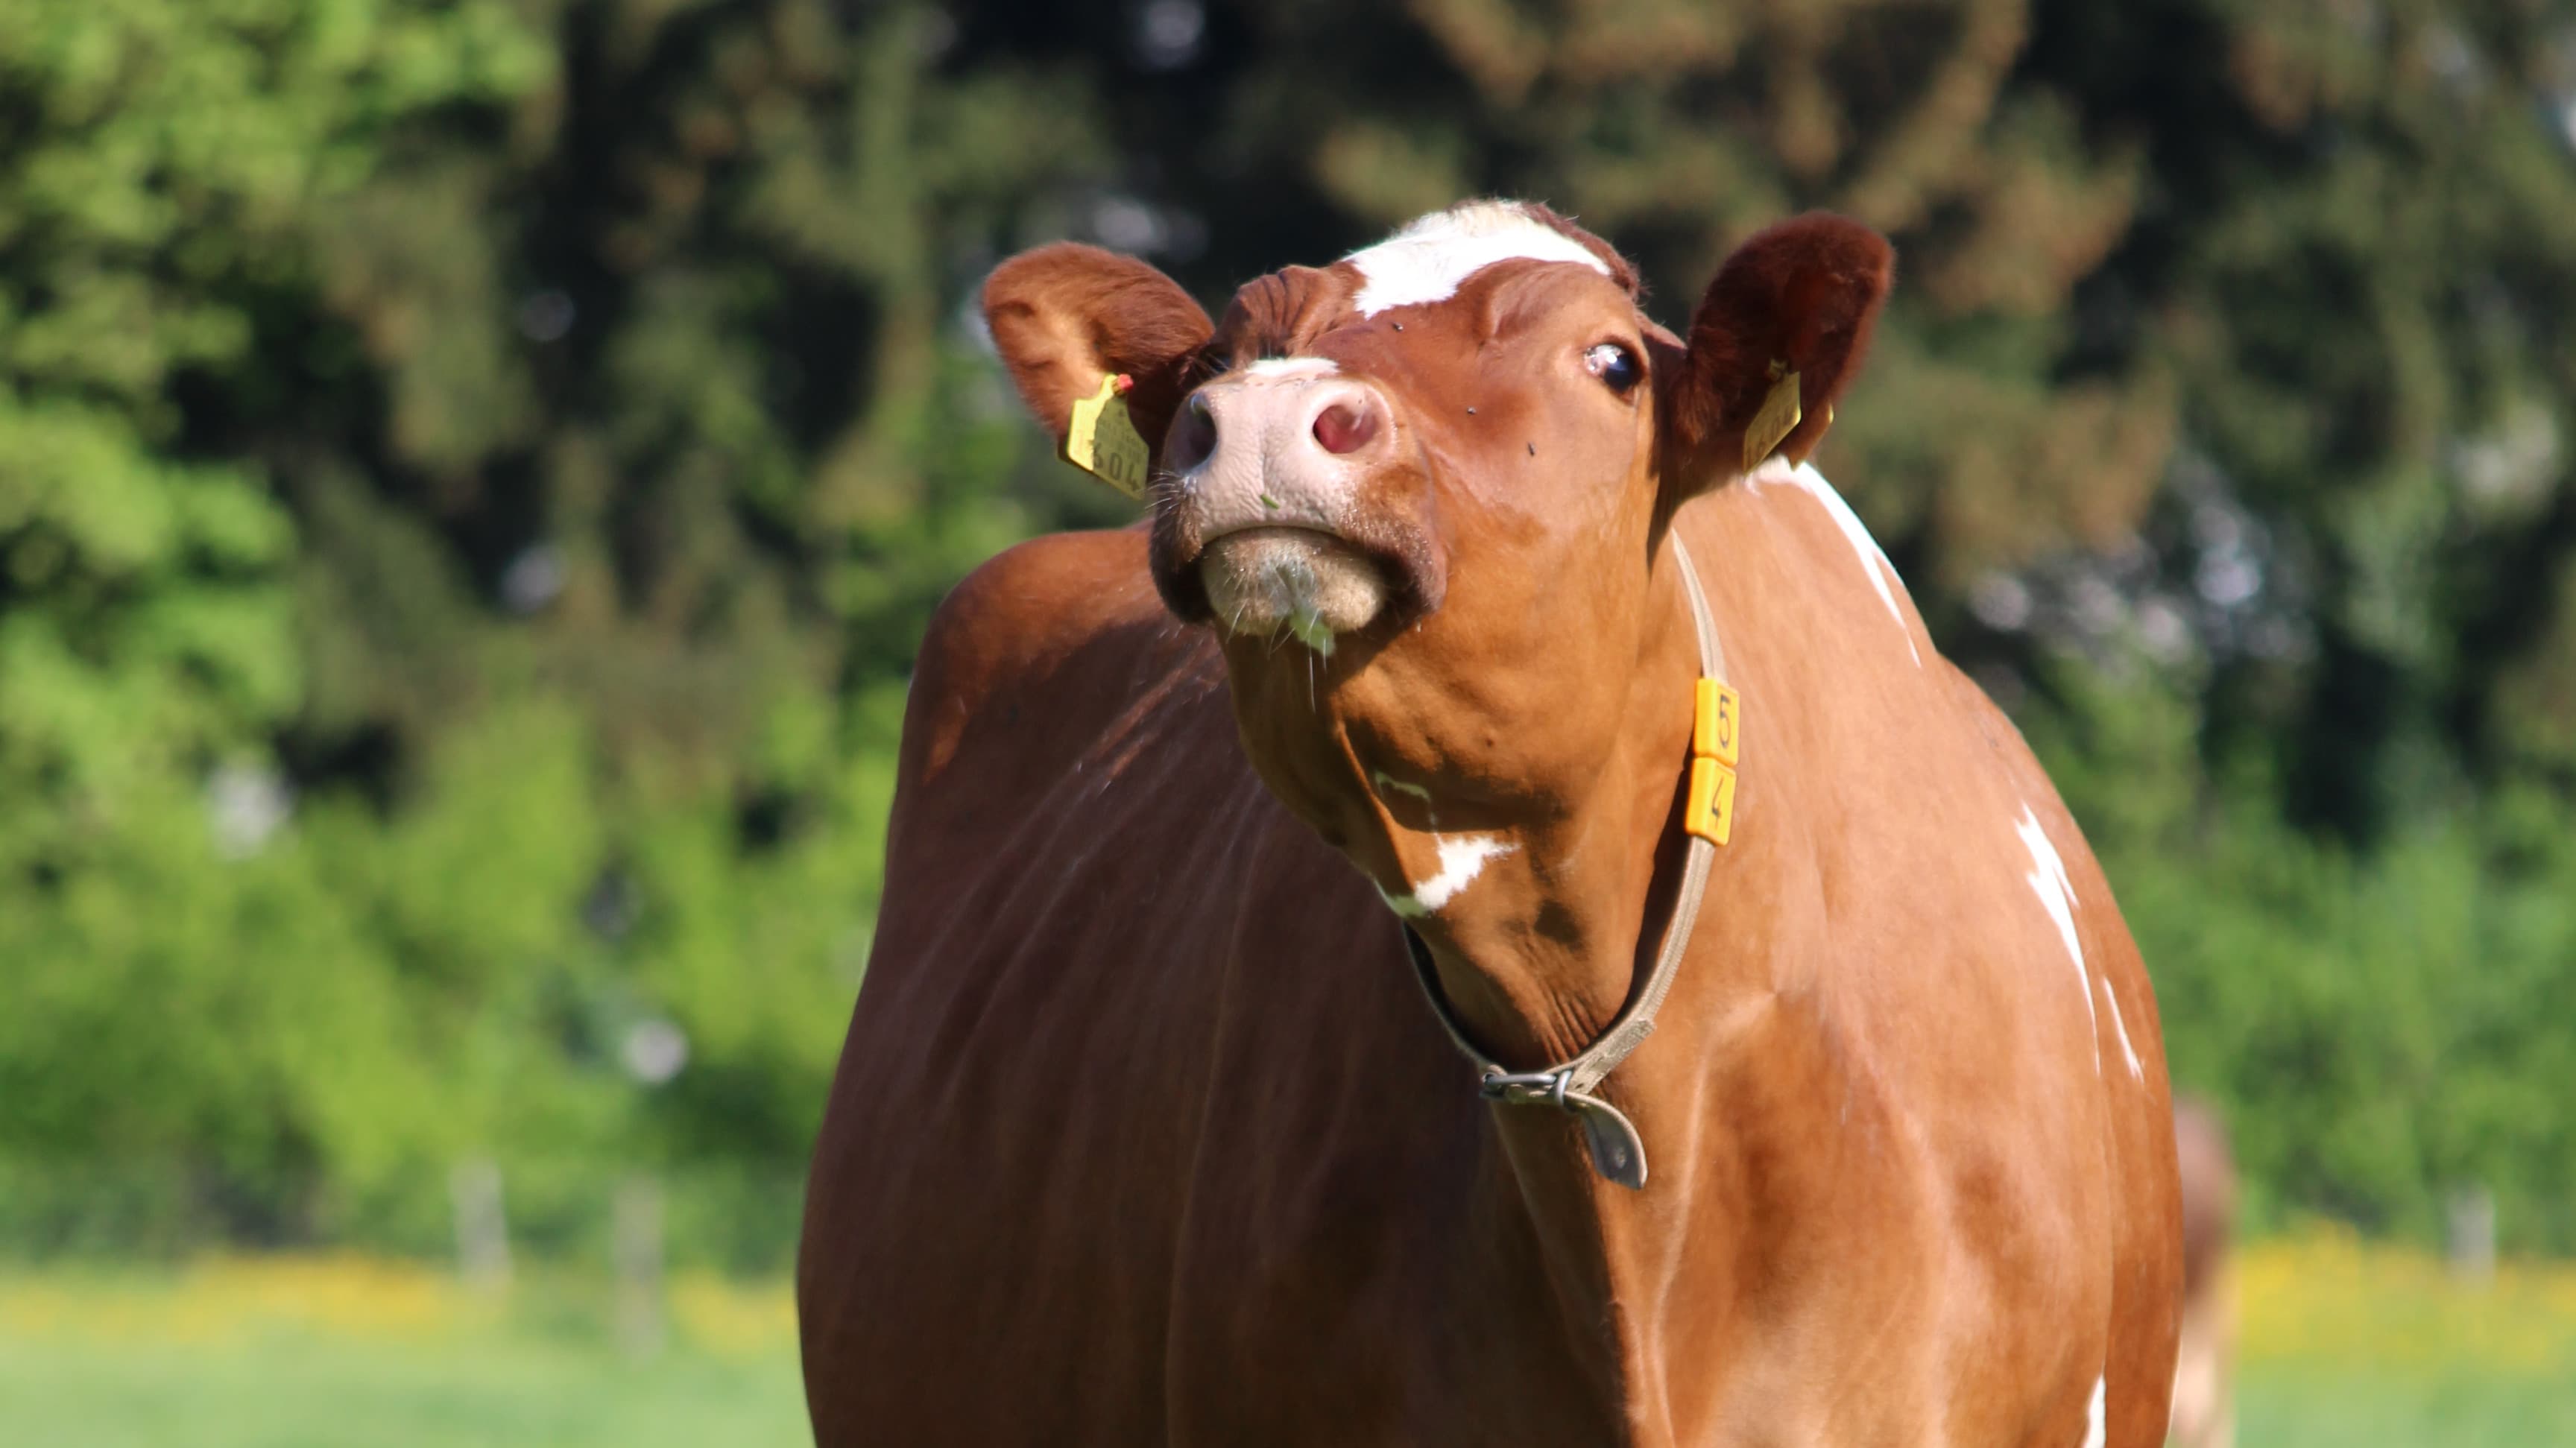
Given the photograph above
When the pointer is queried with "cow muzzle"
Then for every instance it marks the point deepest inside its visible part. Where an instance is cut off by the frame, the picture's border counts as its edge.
(1265, 581)
(1275, 519)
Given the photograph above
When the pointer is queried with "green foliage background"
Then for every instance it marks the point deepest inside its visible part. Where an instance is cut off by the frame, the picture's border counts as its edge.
(473, 472)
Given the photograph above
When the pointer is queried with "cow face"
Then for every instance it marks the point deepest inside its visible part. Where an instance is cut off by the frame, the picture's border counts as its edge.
(1420, 494)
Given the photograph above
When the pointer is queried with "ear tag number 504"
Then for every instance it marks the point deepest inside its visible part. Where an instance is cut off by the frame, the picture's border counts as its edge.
(1103, 440)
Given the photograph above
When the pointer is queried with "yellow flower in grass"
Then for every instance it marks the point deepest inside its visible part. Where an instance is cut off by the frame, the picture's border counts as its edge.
(228, 1298)
(2325, 1298)
(732, 1318)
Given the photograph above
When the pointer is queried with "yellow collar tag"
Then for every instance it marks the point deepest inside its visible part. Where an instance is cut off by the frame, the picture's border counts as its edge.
(1716, 714)
(1103, 440)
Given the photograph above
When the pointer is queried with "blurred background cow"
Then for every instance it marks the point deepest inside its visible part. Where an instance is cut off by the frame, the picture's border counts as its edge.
(2204, 1407)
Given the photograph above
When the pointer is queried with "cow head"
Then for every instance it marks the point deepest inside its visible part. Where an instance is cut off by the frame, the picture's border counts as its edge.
(1421, 496)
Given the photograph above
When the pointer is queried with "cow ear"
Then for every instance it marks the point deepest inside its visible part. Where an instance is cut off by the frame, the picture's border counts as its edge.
(1066, 316)
(1798, 299)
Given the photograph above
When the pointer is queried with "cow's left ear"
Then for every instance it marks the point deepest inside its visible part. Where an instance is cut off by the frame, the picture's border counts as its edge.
(1798, 299)
(1066, 316)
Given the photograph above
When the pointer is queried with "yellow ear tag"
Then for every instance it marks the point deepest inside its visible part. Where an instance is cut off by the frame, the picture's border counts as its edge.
(1777, 419)
(1103, 440)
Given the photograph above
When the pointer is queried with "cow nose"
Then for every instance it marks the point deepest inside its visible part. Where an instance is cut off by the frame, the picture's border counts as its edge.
(1193, 435)
(1346, 424)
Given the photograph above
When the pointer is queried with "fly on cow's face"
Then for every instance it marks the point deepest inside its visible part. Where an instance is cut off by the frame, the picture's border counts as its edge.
(1615, 365)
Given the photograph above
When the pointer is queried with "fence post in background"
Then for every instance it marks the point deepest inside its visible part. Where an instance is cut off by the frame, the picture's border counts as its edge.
(482, 1226)
(637, 1228)
(2472, 1235)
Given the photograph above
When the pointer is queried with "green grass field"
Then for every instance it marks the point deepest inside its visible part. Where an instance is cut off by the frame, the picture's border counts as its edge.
(2342, 1345)
(291, 1393)
(2346, 1344)
(348, 1353)
(2316, 1409)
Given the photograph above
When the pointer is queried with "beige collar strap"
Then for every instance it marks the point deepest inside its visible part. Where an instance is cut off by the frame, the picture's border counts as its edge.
(1617, 1152)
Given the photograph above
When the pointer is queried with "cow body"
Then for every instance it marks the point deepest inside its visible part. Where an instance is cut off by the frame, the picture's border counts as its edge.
(1144, 1133)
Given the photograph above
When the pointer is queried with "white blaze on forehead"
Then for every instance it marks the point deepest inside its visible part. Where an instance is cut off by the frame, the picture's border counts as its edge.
(1873, 559)
(1461, 861)
(1431, 258)
(1285, 367)
(2094, 1436)
(2047, 879)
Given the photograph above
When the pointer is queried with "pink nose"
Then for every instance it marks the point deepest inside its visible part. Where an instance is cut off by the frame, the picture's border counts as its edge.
(1343, 416)
(1346, 426)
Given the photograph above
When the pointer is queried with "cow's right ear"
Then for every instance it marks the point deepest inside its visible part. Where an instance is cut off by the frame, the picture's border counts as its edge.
(1066, 316)
(1783, 329)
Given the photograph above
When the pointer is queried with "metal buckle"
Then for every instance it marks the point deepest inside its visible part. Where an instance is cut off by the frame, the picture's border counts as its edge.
(1530, 1088)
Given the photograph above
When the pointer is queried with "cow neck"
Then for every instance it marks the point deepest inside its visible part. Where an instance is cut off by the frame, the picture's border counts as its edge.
(1572, 1085)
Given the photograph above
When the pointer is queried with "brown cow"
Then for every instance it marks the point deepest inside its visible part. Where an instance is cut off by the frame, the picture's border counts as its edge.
(2204, 1406)
(1146, 1130)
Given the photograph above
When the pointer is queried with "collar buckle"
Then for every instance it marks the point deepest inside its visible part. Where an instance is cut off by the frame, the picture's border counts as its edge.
(1528, 1088)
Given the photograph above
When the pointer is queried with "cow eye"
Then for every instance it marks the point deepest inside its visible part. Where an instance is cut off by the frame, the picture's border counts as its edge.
(1613, 364)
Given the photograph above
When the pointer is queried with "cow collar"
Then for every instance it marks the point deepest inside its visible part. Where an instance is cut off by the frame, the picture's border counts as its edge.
(1618, 1154)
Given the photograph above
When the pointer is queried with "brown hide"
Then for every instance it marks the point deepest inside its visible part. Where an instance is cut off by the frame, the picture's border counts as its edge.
(1143, 1132)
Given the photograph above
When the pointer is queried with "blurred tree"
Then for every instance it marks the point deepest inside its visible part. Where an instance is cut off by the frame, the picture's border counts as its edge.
(470, 479)
(157, 164)
(2359, 224)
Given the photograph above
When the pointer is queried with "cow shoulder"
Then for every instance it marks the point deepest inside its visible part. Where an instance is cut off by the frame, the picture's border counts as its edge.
(1044, 663)
(1010, 624)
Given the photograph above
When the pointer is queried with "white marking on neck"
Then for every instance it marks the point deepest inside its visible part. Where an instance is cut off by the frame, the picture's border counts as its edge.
(1281, 367)
(2094, 1434)
(2047, 879)
(2121, 1028)
(1432, 257)
(1461, 861)
(1873, 559)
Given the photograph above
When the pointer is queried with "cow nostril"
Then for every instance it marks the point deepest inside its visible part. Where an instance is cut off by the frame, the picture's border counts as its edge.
(1193, 435)
(1344, 428)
